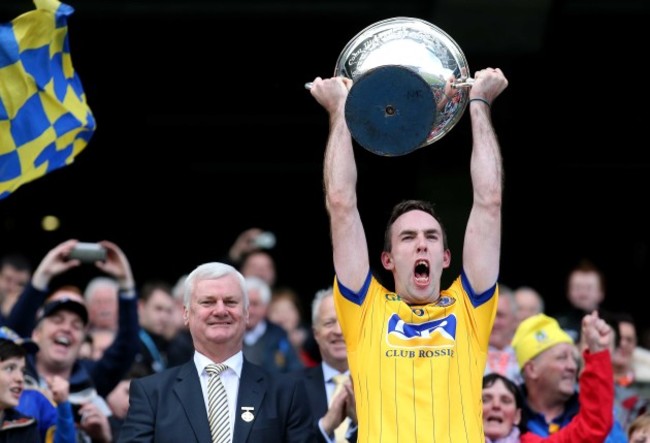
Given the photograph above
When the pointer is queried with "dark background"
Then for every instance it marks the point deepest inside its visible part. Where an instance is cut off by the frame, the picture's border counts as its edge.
(204, 129)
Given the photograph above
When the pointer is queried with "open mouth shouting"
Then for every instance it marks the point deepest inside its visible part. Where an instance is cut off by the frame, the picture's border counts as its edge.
(421, 273)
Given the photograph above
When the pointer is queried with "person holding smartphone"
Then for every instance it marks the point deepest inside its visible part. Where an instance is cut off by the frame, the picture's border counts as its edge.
(60, 317)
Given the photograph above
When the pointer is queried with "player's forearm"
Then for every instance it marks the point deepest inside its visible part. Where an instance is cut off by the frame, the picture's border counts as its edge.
(486, 165)
(340, 171)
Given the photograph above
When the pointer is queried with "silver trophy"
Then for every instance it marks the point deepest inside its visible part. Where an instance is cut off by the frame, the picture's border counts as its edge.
(410, 85)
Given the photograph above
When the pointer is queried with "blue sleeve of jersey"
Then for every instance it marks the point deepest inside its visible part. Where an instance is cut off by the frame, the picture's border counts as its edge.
(65, 429)
(476, 299)
(351, 295)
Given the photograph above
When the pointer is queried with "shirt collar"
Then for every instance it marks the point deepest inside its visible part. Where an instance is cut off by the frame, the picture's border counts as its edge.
(251, 337)
(329, 372)
(234, 362)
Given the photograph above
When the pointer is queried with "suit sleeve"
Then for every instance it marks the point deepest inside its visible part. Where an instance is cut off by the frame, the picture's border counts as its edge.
(595, 418)
(299, 428)
(138, 426)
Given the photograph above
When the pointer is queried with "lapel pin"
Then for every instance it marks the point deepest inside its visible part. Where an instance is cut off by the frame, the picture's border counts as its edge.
(247, 415)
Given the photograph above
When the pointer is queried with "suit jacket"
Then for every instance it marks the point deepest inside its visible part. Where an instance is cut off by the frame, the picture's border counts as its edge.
(314, 381)
(169, 407)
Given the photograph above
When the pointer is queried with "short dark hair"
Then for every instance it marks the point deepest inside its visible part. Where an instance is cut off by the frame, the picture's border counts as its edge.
(17, 261)
(9, 349)
(512, 387)
(411, 205)
(150, 286)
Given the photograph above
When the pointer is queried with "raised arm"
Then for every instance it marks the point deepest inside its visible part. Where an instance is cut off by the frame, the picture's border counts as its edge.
(351, 262)
(595, 416)
(22, 318)
(119, 356)
(482, 245)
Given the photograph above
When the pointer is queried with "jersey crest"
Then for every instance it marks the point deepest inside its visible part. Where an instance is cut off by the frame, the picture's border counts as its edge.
(431, 334)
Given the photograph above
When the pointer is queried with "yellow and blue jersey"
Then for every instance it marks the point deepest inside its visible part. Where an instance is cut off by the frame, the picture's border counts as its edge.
(417, 370)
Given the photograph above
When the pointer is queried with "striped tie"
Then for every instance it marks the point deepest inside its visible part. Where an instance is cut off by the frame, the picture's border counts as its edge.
(218, 415)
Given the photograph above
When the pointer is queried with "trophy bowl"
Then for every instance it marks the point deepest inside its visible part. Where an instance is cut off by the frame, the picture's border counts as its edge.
(410, 85)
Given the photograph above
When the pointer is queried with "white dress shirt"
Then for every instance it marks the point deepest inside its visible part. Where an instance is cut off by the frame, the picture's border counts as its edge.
(230, 379)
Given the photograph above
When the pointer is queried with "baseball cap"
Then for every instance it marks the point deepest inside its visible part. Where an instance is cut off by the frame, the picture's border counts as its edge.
(68, 304)
(11, 335)
(536, 334)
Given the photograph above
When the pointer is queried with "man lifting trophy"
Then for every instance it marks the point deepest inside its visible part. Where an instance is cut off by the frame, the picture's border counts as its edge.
(415, 348)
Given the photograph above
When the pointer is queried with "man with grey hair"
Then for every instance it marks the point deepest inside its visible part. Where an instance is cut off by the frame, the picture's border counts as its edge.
(101, 295)
(333, 412)
(266, 343)
(172, 406)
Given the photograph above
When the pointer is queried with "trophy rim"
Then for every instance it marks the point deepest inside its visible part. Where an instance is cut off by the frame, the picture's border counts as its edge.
(419, 45)
(340, 62)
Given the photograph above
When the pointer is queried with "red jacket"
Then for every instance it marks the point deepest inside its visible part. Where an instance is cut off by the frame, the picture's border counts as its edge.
(596, 417)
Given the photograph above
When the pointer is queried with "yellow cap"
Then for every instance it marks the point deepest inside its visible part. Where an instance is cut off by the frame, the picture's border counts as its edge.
(536, 334)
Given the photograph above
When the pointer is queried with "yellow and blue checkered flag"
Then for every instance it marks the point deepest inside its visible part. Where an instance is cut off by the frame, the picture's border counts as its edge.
(44, 118)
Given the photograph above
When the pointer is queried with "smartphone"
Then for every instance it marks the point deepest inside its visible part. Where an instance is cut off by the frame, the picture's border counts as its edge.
(88, 252)
(75, 412)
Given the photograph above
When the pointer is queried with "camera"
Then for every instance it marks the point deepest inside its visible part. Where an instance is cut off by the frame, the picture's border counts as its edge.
(88, 252)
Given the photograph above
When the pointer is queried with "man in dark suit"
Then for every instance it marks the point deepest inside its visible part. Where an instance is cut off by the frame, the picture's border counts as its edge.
(329, 409)
(265, 343)
(171, 406)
